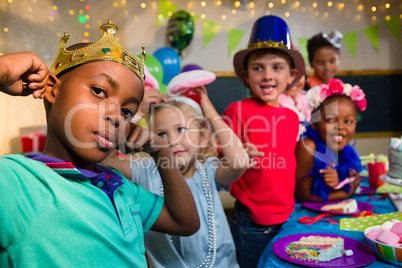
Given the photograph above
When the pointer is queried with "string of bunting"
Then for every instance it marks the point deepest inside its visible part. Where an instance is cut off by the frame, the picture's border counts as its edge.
(211, 28)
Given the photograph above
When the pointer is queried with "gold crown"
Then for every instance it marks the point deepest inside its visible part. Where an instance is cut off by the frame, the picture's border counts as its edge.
(106, 49)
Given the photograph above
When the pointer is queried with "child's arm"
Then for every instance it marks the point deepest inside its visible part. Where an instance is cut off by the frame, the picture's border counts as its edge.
(305, 163)
(235, 159)
(179, 214)
(341, 194)
(22, 74)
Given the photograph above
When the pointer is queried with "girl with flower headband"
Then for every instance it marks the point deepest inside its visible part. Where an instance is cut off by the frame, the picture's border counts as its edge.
(327, 166)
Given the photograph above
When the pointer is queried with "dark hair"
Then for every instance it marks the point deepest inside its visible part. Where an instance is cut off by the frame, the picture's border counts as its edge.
(262, 52)
(317, 42)
(316, 111)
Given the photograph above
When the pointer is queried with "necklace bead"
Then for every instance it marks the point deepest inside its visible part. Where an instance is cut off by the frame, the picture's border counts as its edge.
(209, 260)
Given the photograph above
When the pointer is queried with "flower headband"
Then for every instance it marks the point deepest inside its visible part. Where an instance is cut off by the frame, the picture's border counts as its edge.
(316, 95)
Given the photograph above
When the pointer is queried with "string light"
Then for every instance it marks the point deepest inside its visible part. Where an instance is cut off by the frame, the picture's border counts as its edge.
(387, 17)
(252, 12)
(387, 5)
(115, 4)
(54, 8)
(326, 14)
(237, 3)
(287, 14)
(314, 5)
(223, 17)
(170, 13)
(373, 8)
(316, 13)
(81, 12)
(71, 12)
(341, 5)
(283, 2)
(143, 5)
(297, 3)
(329, 4)
(251, 4)
(123, 2)
(218, 3)
(271, 5)
(360, 7)
(203, 3)
(233, 11)
(87, 7)
(5, 30)
(202, 16)
(373, 17)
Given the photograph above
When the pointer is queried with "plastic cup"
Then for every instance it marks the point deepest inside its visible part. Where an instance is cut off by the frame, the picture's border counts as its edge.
(375, 170)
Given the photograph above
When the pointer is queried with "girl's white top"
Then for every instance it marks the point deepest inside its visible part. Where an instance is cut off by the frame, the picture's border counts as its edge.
(174, 251)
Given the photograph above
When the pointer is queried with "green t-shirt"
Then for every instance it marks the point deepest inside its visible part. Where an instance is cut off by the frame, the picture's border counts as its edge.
(47, 220)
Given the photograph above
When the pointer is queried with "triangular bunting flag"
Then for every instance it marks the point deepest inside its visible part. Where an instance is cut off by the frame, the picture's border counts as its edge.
(196, 18)
(372, 35)
(210, 29)
(303, 48)
(163, 11)
(350, 40)
(234, 36)
(394, 26)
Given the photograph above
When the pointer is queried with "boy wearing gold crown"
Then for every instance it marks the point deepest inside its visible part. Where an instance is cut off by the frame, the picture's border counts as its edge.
(264, 194)
(62, 209)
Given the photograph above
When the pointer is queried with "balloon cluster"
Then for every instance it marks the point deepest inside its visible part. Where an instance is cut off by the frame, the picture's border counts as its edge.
(165, 63)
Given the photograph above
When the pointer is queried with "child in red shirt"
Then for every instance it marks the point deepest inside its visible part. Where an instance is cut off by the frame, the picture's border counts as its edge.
(265, 193)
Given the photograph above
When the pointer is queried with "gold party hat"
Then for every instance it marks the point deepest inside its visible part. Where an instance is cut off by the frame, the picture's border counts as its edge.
(106, 49)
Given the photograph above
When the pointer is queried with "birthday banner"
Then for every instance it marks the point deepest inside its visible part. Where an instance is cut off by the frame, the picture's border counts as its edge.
(211, 28)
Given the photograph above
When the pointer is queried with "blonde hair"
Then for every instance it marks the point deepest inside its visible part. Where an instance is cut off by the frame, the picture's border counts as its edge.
(198, 119)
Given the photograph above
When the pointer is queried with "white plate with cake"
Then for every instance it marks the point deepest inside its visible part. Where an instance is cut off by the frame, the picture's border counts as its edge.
(323, 250)
(340, 207)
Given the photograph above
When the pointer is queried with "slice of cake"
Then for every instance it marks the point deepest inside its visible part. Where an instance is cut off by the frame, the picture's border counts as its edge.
(347, 206)
(395, 158)
(316, 248)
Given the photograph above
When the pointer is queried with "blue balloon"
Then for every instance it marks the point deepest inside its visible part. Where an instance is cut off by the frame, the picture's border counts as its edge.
(170, 61)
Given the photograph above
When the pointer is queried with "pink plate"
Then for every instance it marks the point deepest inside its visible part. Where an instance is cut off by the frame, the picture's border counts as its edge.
(361, 206)
(362, 253)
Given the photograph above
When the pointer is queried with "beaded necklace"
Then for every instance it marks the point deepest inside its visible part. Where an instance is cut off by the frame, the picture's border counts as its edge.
(209, 260)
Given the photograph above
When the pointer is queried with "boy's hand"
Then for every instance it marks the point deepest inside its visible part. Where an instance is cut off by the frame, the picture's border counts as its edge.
(143, 140)
(330, 176)
(151, 97)
(22, 74)
(252, 152)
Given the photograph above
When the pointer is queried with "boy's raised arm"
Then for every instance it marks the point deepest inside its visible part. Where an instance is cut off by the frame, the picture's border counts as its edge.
(22, 74)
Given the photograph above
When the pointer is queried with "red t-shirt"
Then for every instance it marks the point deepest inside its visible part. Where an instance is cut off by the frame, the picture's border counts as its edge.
(267, 190)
